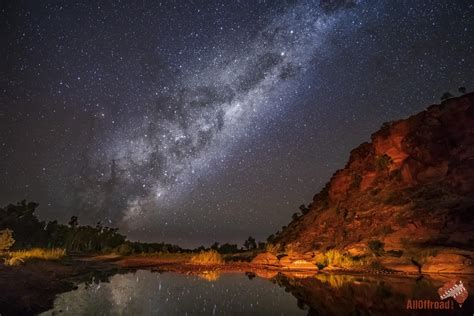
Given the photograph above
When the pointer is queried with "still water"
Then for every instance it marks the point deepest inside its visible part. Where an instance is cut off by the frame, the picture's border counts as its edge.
(148, 293)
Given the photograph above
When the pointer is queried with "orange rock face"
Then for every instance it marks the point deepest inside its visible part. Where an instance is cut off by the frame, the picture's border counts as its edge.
(412, 185)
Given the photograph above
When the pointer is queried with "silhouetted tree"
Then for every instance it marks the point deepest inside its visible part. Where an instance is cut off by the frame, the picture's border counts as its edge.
(462, 90)
(270, 238)
(73, 222)
(295, 216)
(303, 209)
(215, 246)
(228, 248)
(446, 95)
(250, 243)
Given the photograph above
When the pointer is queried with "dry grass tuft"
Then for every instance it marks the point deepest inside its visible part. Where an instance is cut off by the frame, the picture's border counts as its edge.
(17, 257)
(335, 258)
(207, 257)
(273, 249)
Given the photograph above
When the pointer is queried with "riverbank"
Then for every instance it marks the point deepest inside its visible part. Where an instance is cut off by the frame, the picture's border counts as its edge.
(31, 288)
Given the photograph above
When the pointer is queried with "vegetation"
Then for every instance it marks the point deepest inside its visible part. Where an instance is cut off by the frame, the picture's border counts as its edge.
(446, 95)
(250, 243)
(207, 257)
(376, 246)
(6, 240)
(383, 163)
(303, 209)
(335, 257)
(21, 256)
(21, 223)
(273, 249)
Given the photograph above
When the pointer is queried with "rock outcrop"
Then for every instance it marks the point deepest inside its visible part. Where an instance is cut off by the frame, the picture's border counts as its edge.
(410, 191)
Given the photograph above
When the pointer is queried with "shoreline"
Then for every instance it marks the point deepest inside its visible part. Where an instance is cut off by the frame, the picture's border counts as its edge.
(34, 285)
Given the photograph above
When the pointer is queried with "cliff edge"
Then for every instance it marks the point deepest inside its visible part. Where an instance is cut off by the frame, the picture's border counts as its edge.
(406, 198)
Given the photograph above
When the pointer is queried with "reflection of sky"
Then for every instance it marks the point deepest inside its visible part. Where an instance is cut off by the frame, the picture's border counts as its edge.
(147, 293)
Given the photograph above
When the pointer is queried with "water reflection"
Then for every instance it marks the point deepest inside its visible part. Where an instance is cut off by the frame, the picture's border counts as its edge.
(147, 293)
(327, 294)
(254, 293)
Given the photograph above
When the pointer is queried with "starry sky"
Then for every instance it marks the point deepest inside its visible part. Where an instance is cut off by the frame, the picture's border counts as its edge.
(196, 121)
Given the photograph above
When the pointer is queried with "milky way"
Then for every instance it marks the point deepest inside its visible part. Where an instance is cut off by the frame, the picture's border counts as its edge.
(195, 122)
(198, 120)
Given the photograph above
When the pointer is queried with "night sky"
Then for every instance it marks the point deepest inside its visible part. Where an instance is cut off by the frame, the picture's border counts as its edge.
(196, 121)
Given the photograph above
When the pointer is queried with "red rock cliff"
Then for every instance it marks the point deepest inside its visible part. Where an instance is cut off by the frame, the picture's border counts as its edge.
(413, 184)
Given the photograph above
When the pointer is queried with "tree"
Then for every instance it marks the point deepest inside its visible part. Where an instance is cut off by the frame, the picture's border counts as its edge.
(250, 243)
(446, 95)
(303, 209)
(73, 222)
(383, 162)
(6, 239)
(270, 238)
(462, 90)
(228, 248)
(295, 216)
(215, 246)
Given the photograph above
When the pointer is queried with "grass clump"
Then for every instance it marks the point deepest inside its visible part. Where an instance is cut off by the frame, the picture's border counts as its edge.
(207, 257)
(21, 256)
(336, 258)
(273, 249)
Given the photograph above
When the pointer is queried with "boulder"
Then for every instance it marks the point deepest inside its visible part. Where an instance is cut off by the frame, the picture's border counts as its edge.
(295, 263)
(449, 263)
(266, 258)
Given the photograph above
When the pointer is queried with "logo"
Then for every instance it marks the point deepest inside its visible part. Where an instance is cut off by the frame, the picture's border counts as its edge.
(454, 289)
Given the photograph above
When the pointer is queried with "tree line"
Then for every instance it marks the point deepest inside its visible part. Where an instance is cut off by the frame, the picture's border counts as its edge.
(22, 229)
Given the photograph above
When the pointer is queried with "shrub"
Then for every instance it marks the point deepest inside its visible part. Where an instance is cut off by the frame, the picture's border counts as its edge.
(124, 249)
(376, 246)
(383, 163)
(207, 257)
(6, 239)
(303, 209)
(446, 95)
(356, 181)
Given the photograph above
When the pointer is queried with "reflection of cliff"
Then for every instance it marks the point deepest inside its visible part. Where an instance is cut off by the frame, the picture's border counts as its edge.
(411, 187)
(361, 295)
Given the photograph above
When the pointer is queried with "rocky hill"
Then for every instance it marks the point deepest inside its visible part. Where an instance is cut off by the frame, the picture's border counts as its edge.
(406, 197)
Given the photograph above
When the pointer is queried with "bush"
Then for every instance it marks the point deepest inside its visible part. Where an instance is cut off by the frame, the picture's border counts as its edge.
(376, 246)
(207, 257)
(124, 249)
(446, 95)
(6, 239)
(383, 163)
